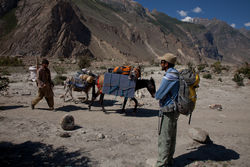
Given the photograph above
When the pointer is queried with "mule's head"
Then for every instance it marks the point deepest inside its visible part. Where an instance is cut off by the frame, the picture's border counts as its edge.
(151, 87)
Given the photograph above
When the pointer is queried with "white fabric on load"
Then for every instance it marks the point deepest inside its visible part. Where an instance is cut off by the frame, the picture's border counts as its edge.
(33, 72)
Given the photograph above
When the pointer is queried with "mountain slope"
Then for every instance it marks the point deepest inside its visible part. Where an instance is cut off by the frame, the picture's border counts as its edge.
(245, 32)
(107, 30)
(46, 28)
(139, 34)
(231, 43)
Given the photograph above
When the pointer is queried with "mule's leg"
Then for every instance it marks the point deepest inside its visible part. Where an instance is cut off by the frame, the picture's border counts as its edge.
(136, 103)
(124, 104)
(67, 90)
(71, 93)
(87, 96)
(101, 102)
(94, 95)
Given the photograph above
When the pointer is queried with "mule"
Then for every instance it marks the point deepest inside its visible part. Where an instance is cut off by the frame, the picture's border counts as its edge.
(70, 86)
(140, 83)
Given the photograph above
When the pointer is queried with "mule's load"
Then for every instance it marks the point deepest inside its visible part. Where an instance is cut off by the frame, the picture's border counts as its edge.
(124, 70)
(81, 82)
(133, 73)
(121, 81)
(118, 85)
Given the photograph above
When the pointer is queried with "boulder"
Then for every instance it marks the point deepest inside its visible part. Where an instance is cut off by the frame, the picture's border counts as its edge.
(199, 135)
(67, 122)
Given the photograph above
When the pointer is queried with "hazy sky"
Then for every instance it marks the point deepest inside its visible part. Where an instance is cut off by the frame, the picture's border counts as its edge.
(235, 12)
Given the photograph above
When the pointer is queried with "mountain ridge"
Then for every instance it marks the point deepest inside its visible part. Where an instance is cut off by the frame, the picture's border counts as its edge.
(110, 29)
(232, 43)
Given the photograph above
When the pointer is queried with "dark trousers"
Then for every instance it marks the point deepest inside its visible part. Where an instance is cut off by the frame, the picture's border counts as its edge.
(47, 93)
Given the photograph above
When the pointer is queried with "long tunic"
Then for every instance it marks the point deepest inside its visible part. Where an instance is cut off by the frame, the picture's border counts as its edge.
(44, 78)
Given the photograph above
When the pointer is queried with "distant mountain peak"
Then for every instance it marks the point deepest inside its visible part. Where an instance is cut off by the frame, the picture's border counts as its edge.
(118, 29)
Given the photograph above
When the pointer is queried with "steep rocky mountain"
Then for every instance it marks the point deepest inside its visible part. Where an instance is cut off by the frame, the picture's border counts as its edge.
(233, 44)
(7, 17)
(127, 30)
(245, 32)
(106, 30)
(47, 28)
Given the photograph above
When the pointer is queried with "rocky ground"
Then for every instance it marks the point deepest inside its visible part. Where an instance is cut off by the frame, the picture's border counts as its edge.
(35, 138)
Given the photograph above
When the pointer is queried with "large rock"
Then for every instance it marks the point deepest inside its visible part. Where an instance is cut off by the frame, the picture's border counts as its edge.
(67, 122)
(199, 135)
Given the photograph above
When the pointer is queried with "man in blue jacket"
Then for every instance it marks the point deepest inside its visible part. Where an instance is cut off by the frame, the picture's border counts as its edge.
(167, 94)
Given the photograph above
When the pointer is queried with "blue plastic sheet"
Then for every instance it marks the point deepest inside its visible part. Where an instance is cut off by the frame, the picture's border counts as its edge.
(118, 85)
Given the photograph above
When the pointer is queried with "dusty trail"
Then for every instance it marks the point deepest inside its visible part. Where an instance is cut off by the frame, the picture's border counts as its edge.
(32, 137)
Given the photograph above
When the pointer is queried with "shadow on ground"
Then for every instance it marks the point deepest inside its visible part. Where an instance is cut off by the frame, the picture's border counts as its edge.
(12, 107)
(70, 108)
(106, 103)
(212, 152)
(141, 112)
(39, 154)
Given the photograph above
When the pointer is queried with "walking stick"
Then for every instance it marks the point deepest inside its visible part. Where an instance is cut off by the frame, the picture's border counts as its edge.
(189, 121)
(37, 67)
(160, 121)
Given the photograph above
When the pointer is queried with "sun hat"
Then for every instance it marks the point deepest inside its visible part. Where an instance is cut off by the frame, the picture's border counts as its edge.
(169, 57)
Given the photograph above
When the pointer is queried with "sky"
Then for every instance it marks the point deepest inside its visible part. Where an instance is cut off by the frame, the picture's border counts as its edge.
(235, 12)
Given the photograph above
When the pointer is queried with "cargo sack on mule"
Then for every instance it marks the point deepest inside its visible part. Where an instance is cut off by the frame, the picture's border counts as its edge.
(118, 85)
